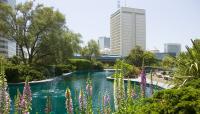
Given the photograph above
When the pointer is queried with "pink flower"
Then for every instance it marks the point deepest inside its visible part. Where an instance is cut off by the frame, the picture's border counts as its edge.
(69, 104)
(4, 96)
(89, 88)
(143, 83)
(26, 98)
(82, 102)
(133, 94)
(106, 100)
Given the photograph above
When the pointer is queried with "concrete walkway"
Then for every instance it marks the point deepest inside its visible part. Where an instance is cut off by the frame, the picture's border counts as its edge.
(46, 80)
(160, 84)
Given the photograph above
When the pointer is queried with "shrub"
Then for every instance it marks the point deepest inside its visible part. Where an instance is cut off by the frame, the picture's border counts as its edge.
(84, 64)
(172, 101)
(129, 71)
(12, 74)
(19, 73)
(97, 65)
(81, 64)
(193, 83)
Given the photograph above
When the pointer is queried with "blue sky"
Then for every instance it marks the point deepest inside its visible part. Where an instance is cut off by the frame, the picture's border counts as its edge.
(167, 21)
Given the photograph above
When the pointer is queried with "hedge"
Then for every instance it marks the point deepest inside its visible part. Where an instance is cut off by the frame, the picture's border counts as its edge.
(19, 73)
(84, 64)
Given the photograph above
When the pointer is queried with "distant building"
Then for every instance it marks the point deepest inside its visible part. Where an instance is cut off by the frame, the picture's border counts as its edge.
(160, 56)
(104, 45)
(128, 30)
(8, 46)
(155, 51)
(172, 48)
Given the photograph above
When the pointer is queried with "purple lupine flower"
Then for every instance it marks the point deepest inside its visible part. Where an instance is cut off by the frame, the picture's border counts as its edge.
(22, 102)
(26, 98)
(4, 96)
(106, 100)
(143, 83)
(133, 94)
(89, 88)
(82, 102)
(69, 104)
(7, 102)
(106, 106)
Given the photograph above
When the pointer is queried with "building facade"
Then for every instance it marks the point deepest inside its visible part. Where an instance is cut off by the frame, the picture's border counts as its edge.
(172, 48)
(8, 46)
(160, 56)
(128, 30)
(104, 45)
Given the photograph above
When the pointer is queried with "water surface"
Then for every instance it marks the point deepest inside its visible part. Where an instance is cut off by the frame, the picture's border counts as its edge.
(75, 81)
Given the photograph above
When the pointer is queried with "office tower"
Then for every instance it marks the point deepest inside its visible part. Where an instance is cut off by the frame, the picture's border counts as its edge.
(7, 46)
(128, 30)
(104, 45)
(104, 42)
(172, 48)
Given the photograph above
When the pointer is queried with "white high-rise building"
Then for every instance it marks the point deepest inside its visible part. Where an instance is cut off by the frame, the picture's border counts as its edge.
(128, 30)
(172, 48)
(7, 46)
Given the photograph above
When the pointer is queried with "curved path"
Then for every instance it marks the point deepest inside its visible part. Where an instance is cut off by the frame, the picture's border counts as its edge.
(160, 84)
(46, 80)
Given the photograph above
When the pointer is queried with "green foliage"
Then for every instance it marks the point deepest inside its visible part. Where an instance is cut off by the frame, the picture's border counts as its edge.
(81, 64)
(188, 64)
(17, 102)
(137, 56)
(84, 64)
(168, 62)
(178, 101)
(193, 83)
(61, 46)
(61, 68)
(91, 50)
(15, 60)
(128, 71)
(19, 73)
(40, 40)
(97, 65)
(173, 101)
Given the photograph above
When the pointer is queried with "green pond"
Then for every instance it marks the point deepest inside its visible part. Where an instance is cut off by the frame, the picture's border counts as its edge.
(55, 90)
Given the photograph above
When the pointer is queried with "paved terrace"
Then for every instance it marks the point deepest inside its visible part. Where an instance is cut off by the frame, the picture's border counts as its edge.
(158, 82)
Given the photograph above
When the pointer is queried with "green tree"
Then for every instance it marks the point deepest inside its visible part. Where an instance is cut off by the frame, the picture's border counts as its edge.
(128, 71)
(168, 62)
(61, 47)
(137, 55)
(84, 51)
(29, 26)
(91, 50)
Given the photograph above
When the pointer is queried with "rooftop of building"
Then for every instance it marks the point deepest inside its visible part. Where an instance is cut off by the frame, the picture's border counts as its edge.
(128, 9)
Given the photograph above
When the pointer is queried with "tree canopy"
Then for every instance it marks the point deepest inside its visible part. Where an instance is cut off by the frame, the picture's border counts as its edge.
(137, 56)
(90, 50)
(39, 32)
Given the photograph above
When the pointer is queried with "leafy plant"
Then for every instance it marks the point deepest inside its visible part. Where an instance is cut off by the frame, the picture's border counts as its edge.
(188, 64)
